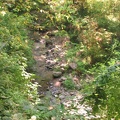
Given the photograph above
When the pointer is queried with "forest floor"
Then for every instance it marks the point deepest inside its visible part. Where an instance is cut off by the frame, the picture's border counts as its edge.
(51, 69)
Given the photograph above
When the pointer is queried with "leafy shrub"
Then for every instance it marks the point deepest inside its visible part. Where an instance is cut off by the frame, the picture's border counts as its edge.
(96, 41)
(104, 90)
(106, 13)
(15, 51)
(21, 6)
(69, 84)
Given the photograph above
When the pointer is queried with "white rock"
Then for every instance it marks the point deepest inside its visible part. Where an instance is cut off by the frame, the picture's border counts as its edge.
(33, 117)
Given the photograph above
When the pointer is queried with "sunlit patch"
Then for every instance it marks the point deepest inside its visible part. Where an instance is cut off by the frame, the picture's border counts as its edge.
(3, 13)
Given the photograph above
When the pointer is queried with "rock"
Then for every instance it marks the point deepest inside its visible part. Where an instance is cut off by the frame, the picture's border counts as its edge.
(33, 117)
(57, 84)
(56, 74)
(73, 66)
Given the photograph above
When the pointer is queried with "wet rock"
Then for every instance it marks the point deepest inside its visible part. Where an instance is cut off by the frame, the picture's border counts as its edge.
(56, 74)
(73, 66)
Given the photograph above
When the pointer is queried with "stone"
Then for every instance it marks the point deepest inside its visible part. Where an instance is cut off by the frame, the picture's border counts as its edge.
(73, 66)
(57, 84)
(56, 74)
(33, 117)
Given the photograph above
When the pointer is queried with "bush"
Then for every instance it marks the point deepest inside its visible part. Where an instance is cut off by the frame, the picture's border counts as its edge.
(15, 56)
(96, 41)
(69, 84)
(104, 90)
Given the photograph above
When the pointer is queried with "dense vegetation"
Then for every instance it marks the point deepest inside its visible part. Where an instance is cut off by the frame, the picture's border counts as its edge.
(94, 30)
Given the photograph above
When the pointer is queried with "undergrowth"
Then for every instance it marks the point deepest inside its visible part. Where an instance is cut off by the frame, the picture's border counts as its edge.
(94, 30)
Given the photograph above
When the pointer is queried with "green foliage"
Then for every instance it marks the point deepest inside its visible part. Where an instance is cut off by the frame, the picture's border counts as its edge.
(104, 90)
(69, 84)
(20, 6)
(96, 41)
(15, 51)
(106, 13)
(93, 27)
